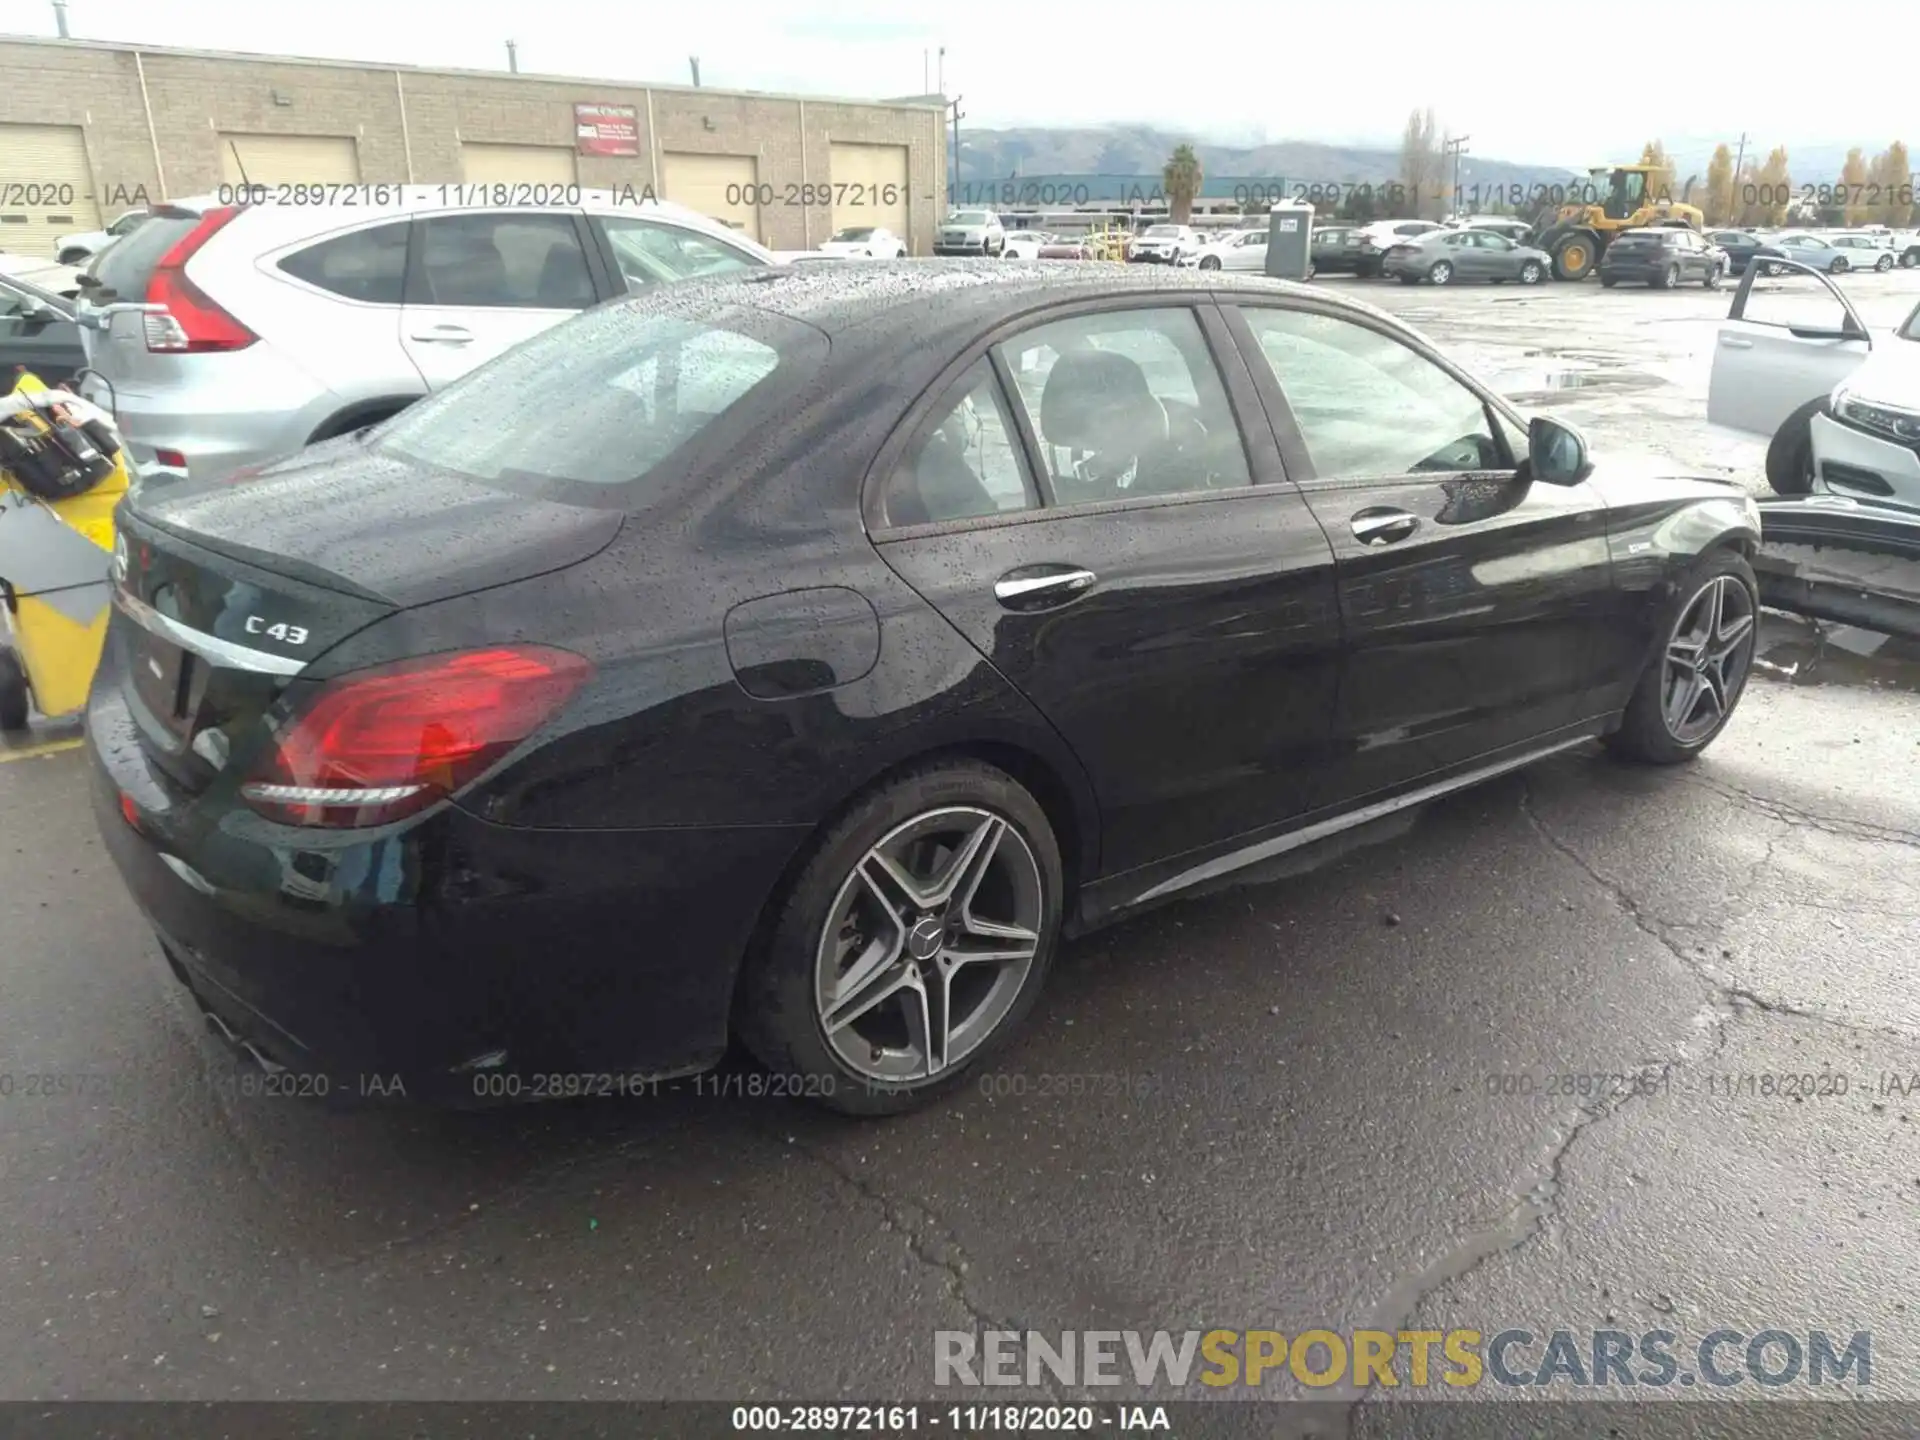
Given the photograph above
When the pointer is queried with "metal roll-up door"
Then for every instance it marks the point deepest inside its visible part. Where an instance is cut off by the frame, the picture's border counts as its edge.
(517, 164)
(46, 188)
(722, 186)
(870, 186)
(289, 160)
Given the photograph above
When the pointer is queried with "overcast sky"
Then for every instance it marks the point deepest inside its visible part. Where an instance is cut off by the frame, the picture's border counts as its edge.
(1526, 83)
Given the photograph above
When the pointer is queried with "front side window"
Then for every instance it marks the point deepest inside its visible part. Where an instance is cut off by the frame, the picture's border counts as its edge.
(520, 261)
(1127, 403)
(1367, 404)
(652, 254)
(369, 265)
(602, 399)
(968, 466)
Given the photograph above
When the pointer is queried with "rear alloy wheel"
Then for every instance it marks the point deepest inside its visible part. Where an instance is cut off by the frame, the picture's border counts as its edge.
(1884, 263)
(913, 942)
(1715, 274)
(1839, 266)
(1531, 273)
(13, 692)
(1670, 280)
(1909, 259)
(1209, 262)
(1689, 690)
(1441, 273)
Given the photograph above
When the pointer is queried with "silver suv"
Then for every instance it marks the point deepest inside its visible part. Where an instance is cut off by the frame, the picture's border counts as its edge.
(285, 324)
(970, 232)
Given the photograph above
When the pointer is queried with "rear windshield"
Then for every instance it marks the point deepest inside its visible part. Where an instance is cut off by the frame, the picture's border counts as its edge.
(125, 266)
(858, 233)
(967, 217)
(1161, 230)
(602, 399)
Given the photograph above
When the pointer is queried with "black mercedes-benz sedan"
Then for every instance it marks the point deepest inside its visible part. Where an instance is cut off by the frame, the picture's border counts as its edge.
(795, 657)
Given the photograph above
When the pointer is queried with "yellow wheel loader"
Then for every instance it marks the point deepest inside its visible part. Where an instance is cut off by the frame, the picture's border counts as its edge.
(1612, 198)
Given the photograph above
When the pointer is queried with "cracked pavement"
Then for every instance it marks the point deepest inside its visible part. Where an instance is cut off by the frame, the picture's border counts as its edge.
(1287, 1117)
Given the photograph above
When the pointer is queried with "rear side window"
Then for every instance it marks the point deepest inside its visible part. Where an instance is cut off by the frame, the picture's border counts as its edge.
(368, 265)
(966, 467)
(603, 399)
(529, 262)
(651, 254)
(126, 266)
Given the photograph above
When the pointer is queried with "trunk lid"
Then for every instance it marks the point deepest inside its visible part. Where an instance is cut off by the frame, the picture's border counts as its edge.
(227, 590)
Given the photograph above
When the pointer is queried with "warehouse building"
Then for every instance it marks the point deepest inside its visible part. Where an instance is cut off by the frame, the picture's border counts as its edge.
(90, 129)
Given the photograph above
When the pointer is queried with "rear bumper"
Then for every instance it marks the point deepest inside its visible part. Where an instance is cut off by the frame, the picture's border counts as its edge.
(473, 961)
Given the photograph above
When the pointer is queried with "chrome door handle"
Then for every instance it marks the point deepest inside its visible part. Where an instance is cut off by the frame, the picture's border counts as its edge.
(1734, 342)
(1383, 526)
(1017, 588)
(444, 335)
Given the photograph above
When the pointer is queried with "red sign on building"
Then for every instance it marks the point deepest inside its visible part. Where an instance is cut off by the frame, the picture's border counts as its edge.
(606, 129)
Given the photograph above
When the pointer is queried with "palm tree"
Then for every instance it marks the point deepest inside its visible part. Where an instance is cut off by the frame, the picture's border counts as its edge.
(1181, 179)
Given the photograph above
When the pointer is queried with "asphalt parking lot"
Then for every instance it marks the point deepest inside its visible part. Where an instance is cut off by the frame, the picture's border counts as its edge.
(1299, 1103)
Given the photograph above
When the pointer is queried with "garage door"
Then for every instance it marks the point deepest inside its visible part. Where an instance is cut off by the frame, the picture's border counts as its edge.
(870, 187)
(722, 186)
(289, 160)
(46, 187)
(517, 164)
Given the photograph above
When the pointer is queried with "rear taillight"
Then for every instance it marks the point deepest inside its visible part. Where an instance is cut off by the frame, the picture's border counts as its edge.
(379, 744)
(193, 324)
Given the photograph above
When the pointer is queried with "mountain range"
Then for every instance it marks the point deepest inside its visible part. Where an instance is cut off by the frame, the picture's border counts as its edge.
(998, 154)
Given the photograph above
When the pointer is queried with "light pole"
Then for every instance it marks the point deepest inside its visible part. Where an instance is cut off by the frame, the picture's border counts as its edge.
(1456, 147)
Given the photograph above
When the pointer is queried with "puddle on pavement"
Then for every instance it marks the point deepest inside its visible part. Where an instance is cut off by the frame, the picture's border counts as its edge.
(1799, 651)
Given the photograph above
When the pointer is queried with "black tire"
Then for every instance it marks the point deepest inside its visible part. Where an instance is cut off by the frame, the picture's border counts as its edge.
(1790, 452)
(1715, 274)
(1669, 279)
(1531, 273)
(1910, 258)
(1209, 262)
(13, 692)
(1884, 263)
(776, 1015)
(1644, 735)
(1607, 282)
(1839, 266)
(1406, 279)
(1441, 273)
(1563, 251)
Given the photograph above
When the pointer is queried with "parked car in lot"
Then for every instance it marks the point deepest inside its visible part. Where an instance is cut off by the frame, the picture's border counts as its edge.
(1663, 258)
(283, 325)
(865, 242)
(1334, 250)
(1518, 231)
(1025, 244)
(1163, 245)
(81, 247)
(41, 273)
(1381, 236)
(779, 682)
(1237, 250)
(1742, 247)
(37, 334)
(1866, 250)
(1442, 257)
(1814, 251)
(1906, 245)
(970, 232)
(1841, 404)
(1066, 247)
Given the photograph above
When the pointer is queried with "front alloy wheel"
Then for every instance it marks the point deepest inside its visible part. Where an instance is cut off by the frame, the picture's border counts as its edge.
(1209, 262)
(1530, 273)
(928, 945)
(1707, 658)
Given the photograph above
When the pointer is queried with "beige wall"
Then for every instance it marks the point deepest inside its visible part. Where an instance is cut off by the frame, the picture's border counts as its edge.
(196, 96)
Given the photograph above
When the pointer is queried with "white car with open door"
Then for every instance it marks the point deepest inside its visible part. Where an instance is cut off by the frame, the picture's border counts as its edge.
(1237, 250)
(1840, 403)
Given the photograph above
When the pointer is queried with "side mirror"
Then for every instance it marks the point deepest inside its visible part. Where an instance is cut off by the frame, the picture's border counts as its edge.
(1556, 452)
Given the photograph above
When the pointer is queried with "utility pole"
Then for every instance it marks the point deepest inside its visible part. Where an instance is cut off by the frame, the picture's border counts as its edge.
(693, 63)
(60, 17)
(513, 57)
(943, 71)
(953, 183)
(1456, 148)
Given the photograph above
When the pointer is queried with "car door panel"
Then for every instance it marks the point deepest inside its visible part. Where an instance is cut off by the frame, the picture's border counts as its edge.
(1469, 601)
(479, 282)
(1763, 370)
(1186, 646)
